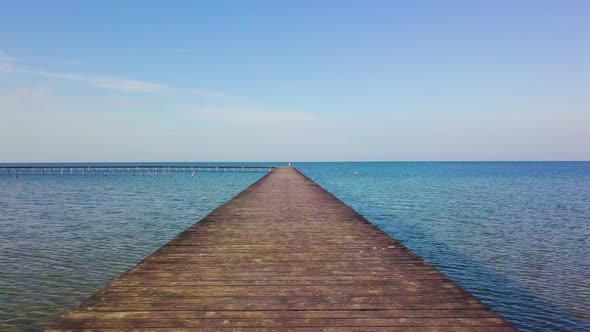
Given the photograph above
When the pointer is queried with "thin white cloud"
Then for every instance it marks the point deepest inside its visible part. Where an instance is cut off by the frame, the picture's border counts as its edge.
(249, 116)
(105, 82)
(7, 68)
(27, 98)
(6, 63)
(214, 94)
(206, 106)
(101, 81)
(4, 58)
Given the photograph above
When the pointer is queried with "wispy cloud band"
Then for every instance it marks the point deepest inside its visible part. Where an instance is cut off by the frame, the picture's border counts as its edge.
(7, 65)
(105, 82)
(206, 106)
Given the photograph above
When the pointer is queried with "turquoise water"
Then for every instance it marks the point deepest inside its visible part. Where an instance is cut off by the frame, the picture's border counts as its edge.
(517, 235)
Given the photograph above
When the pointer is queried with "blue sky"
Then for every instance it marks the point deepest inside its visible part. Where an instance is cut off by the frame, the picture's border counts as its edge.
(294, 80)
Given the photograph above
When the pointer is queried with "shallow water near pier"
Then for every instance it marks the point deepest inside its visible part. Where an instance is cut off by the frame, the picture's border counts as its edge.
(516, 235)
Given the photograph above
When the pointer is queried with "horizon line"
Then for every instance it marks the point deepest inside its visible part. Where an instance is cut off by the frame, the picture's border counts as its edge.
(292, 162)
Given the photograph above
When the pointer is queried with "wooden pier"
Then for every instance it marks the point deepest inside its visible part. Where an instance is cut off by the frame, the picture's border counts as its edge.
(283, 255)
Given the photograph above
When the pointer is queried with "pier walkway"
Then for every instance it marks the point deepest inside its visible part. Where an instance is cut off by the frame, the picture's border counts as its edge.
(283, 255)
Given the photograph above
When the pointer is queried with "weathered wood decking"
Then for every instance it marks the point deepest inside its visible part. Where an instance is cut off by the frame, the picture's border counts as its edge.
(283, 255)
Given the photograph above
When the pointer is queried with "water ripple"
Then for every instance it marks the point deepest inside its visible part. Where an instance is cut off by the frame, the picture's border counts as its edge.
(62, 238)
(514, 234)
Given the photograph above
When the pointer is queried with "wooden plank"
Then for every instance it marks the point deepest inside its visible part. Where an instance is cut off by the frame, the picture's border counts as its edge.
(289, 322)
(420, 328)
(276, 314)
(283, 255)
(266, 290)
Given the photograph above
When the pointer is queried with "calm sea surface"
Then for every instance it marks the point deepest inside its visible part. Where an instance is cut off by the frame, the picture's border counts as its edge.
(517, 235)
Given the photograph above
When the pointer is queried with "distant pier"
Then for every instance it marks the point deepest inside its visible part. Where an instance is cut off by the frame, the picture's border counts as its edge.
(132, 170)
(283, 255)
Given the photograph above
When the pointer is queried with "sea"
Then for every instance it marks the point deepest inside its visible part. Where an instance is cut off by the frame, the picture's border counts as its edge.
(514, 234)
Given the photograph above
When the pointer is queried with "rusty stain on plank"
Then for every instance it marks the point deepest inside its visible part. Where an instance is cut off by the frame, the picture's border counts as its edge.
(283, 255)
